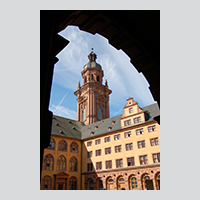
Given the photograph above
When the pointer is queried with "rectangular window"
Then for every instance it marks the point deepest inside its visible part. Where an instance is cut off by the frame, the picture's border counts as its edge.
(108, 150)
(130, 161)
(107, 139)
(141, 144)
(154, 141)
(117, 137)
(127, 134)
(156, 157)
(108, 164)
(137, 120)
(98, 165)
(118, 148)
(119, 163)
(98, 141)
(98, 152)
(89, 154)
(127, 122)
(139, 131)
(143, 159)
(130, 110)
(129, 146)
(152, 128)
(89, 143)
(89, 167)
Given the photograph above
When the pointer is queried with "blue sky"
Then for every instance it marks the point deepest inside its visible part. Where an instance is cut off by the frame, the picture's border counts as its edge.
(122, 77)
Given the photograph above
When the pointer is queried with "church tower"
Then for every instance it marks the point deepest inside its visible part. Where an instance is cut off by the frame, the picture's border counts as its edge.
(92, 96)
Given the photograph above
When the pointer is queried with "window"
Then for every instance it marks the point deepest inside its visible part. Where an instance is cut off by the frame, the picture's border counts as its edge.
(46, 183)
(143, 159)
(73, 183)
(141, 144)
(133, 183)
(98, 141)
(119, 163)
(100, 113)
(89, 154)
(73, 163)
(130, 110)
(130, 161)
(61, 163)
(127, 134)
(85, 79)
(117, 137)
(156, 157)
(89, 143)
(107, 139)
(98, 78)
(48, 162)
(108, 150)
(127, 122)
(108, 164)
(84, 114)
(52, 144)
(154, 141)
(152, 128)
(62, 145)
(89, 167)
(109, 128)
(98, 152)
(129, 146)
(137, 120)
(118, 148)
(74, 147)
(98, 165)
(139, 131)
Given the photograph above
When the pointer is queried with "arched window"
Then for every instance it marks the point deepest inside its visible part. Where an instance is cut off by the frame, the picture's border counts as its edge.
(145, 177)
(52, 144)
(73, 164)
(46, 183)
(90, 184)
(110, 184)
(61, 163)
(73, 183)
(100, 113)
(62, 145)
(85, 79)
(74, 147)
(98, 78)
(48, 162)
(84, 114)
(133, 183)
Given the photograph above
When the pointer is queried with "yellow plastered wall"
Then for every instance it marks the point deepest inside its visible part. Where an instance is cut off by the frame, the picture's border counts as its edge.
(55, 153)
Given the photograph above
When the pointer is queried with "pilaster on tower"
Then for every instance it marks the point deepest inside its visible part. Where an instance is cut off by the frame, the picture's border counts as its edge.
(92, 96)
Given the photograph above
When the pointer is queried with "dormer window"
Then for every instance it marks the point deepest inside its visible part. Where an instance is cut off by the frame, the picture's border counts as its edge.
(112, 122)
(92, 133)
(109, 128)
(96, 127)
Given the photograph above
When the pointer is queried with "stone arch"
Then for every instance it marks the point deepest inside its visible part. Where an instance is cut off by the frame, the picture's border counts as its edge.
(120, 181)
(157, 180)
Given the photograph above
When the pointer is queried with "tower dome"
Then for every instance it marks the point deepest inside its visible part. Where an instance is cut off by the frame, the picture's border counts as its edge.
(92, 61)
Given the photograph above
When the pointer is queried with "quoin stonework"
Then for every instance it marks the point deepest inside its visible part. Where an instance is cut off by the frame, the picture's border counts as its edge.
(97, 152)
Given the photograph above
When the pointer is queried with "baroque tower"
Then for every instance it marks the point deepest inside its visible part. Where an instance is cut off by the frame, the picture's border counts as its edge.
(92, 96)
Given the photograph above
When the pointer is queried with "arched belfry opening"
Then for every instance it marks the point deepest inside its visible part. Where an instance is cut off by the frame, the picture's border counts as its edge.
(137, 33)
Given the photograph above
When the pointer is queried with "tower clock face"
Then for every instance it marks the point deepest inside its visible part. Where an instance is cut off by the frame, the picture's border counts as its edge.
(100, 92)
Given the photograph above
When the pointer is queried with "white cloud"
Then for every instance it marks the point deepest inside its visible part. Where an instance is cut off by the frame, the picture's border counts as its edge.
(63, 111)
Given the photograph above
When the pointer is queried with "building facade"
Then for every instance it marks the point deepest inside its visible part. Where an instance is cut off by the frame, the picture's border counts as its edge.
(97, 152)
